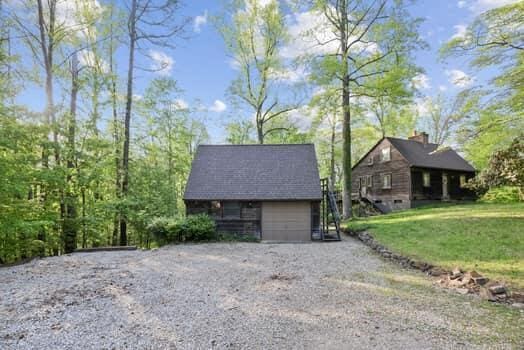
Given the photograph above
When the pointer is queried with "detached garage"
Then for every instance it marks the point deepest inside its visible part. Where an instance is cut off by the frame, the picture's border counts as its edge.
(271, 192)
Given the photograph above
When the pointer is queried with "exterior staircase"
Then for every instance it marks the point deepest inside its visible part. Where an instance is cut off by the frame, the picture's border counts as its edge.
(330, 215)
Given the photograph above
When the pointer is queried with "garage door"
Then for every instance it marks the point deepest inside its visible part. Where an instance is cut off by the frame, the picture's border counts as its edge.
(286, 221)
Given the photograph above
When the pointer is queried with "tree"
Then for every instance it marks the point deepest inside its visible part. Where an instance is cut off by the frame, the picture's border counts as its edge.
(494, 42)
(366, 35)
(254, 38)
(150, 23)
(325, 107)
(446, 116)
(239, 132)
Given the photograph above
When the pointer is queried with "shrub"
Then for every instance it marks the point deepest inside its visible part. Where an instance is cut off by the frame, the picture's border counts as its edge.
(192, 228)
(37, 248)
(195, 228)
(160, 229)
(503, 194)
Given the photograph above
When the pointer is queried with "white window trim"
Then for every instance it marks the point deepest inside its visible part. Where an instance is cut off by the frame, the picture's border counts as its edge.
(370, 160)
(388, 153)
(383, 181)
(369, 180)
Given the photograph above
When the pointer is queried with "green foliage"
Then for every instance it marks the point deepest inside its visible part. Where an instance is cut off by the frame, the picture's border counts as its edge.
(191, 228)
(503, 194)
(37, 248)
(494, 43)
(505, 168)
(482, 237)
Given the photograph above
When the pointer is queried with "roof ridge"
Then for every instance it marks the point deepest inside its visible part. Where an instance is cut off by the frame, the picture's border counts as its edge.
(257, 144)
(408, 140)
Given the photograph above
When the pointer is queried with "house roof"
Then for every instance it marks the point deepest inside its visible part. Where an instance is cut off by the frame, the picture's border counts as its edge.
(429, 155)
(254, 172)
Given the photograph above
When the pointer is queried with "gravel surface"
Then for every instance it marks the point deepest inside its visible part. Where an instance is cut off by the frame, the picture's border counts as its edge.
(241, 296)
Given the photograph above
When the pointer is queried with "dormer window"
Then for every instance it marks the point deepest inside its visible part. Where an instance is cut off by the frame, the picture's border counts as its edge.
(370, 160)
(385, 156)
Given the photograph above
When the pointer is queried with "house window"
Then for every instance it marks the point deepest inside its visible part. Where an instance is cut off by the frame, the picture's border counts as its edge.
(386, 154)
(231, 209)
(462, 181)
(369, 180)
(426, 179)
(370, 160)
(386, 181)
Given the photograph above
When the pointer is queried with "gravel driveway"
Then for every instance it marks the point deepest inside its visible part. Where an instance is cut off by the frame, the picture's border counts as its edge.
(241, 296)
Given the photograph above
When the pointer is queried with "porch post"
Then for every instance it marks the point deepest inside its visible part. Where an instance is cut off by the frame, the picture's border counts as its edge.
(445, 193)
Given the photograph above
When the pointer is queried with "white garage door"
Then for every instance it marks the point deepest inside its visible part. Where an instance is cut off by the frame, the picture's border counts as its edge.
(286, 221)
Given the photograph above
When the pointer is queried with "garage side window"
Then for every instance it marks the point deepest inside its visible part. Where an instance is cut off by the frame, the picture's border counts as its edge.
(232, 209)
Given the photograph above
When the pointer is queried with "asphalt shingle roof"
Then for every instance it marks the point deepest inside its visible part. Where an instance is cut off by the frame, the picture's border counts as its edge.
(254, 172)
(429, 156)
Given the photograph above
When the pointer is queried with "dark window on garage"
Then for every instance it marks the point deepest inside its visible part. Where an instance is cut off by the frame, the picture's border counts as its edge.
(231, 209)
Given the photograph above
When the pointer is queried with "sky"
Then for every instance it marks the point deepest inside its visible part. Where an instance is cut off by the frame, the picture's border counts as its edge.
(204, 71)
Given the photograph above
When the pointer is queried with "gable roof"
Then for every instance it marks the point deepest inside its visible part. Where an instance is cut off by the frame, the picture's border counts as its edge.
(429, 155)
(254, 172)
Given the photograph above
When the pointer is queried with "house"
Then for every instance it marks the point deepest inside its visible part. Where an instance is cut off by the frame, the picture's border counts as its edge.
(399, 174)
(271, 192)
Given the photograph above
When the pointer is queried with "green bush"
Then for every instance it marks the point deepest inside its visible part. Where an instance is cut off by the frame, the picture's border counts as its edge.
(192, 228)
(503, 194)
(37, 248)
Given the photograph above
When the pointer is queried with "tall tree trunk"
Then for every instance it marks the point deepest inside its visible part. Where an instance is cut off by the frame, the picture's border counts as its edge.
(69, 223)
(346, 126)
(116, 131)
(127, 121)
(45, 31)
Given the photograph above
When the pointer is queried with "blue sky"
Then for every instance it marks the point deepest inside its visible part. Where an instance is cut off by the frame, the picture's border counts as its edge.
(203, 70)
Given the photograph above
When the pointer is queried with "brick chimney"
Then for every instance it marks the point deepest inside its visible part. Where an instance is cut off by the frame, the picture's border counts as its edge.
(421, 137)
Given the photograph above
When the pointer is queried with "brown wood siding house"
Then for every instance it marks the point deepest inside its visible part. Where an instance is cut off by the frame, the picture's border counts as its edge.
(271, 192)
(399, 174)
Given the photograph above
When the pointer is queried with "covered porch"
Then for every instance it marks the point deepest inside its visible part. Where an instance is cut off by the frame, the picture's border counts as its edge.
(429, 185)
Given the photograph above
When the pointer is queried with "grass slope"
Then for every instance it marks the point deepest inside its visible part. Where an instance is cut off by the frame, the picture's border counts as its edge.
(488, 238)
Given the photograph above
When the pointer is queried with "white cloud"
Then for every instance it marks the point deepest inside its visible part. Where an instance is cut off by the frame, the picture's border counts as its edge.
(459, 78)
(161, 62)
(200, 21)
(311, 32)
(442, 88)
(218, 106)
(180, 103)
(306, 30)
(421, 81)
(461, 4)
(479, 6)
(460, 31)
(292, 75)
(69, 15)
(87, 58)
(422, 106)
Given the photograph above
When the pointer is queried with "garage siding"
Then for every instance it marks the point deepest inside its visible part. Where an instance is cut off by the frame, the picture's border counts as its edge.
(286, 221)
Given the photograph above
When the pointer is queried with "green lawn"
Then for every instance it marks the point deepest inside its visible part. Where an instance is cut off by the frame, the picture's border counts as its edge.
(488, 238)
